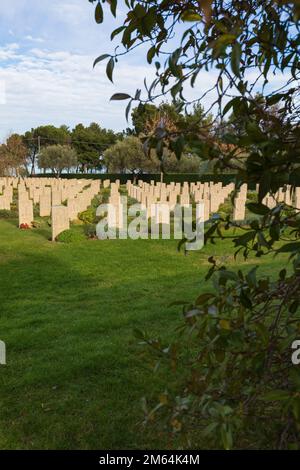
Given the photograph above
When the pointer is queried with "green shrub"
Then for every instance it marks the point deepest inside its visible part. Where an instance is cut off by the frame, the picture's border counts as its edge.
(225, 209)
(70, 236)
(88, 216)
(5, 214)
(36, 224)
(90, 230)
(105, 194)
(96, 202)
(252, 196)
(36, 210)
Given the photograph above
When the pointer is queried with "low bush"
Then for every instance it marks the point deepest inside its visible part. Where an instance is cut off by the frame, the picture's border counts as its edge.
(70, 236)
(105, 194)
(90, 231)
(252, 196)
(5, 214)
(225, 209)
(96, 202)
(36, 210)
(88, 216)
(36, 224)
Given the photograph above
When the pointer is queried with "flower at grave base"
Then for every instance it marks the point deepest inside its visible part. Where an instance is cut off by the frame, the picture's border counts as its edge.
(24, 227)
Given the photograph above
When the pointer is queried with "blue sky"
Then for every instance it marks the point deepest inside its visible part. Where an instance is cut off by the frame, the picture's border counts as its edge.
(47, 49)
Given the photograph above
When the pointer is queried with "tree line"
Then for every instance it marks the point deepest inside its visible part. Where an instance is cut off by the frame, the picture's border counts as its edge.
(57, 149)
(92, 148)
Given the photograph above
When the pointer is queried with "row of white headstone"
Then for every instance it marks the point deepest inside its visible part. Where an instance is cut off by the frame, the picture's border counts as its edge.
(155, 197)
(287, 196)
(62, 200)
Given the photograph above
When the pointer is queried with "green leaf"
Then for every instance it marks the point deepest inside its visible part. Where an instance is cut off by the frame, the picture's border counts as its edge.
(191, 15)
(178, 146)
(236, 59)
(128, 108)
(229, 105)
(282, 274)
(224, 40)
(159, 148)
(276, 395)
(203, 298)
(226, 436)
(139, 11)
(151, 54)
(289, 247)
(274, 99)
(245, 301)
(99, 13)
(258, 208)
(294, 306)
(225, 325)
(100, 58)
(275, 231)
(245, 238)
(113, 6)
(120, 96)
(117, 31)
(209, 429)
(251, 277)
(110, 68)
(224, 274)
(176, 89)
(264, 185)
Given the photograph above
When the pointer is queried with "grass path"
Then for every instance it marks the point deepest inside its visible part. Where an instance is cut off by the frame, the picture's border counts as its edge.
(67, 314)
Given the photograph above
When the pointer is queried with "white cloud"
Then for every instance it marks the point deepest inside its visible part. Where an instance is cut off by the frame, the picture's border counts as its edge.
(30, 38)
(8, 52)
(61, 88)
(46, 67)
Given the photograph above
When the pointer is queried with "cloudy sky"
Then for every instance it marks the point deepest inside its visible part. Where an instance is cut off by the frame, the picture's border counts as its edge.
(47, 49)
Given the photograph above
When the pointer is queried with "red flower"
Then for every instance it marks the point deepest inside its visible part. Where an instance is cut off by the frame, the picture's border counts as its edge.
(24, 227)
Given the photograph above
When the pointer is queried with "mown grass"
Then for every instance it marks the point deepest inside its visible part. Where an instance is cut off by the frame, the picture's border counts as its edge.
(74, 378)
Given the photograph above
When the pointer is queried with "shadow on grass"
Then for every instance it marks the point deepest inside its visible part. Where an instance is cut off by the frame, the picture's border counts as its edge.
(74, 378)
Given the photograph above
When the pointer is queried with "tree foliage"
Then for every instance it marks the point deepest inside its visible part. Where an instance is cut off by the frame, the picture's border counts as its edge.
(235, 384)
(90, 142)
(41, 137)
(57, 158)
(153, 124)
(12, 156)
(128, 156)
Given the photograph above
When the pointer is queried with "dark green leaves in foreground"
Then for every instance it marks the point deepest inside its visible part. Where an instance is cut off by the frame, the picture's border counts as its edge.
(99, 13)
(120, 96)
(236, 59)
(239, 382)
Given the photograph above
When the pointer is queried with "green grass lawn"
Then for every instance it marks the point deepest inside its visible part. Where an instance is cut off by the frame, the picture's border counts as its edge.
(74, 378)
